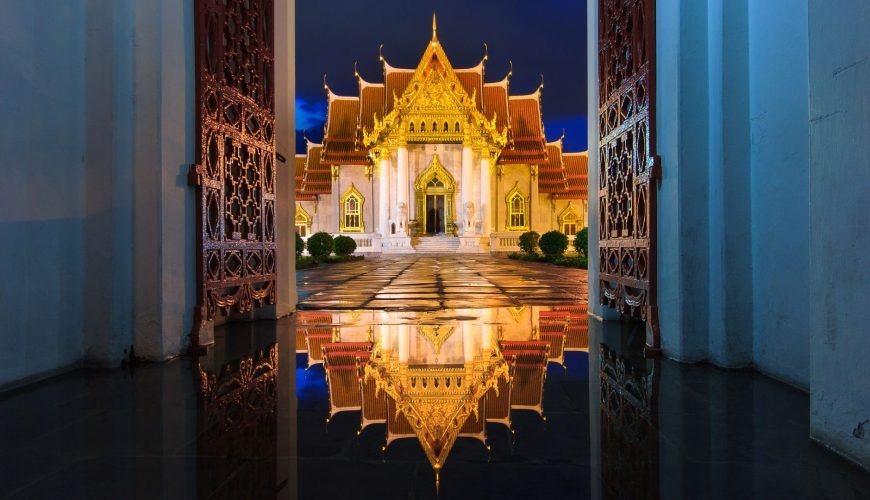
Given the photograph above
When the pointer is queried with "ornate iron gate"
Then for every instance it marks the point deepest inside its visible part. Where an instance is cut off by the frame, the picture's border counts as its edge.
(628, 165)
(235, 171)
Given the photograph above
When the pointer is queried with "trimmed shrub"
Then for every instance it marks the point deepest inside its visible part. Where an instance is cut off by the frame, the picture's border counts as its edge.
(581, 242)
(320, 245)
(553, 244)
(344, 245)
(529, 242)
(300, 245)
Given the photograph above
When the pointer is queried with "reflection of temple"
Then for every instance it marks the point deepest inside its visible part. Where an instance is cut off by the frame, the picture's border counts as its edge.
(437, 151)
(433, 377)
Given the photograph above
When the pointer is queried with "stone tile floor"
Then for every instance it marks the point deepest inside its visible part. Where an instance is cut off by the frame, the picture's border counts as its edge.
(438, 282)
(152, 432)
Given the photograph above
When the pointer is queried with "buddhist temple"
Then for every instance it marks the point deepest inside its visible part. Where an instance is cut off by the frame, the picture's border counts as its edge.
(438, 151)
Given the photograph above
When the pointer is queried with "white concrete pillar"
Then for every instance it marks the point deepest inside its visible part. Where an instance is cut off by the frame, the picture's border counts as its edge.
(401, 183)
(484, 209)
(534, 200)
(404, 343)
(384, 195)
(468, 350)
(465, 182)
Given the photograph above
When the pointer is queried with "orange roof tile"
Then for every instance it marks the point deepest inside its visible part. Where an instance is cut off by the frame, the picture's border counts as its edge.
(371, 102)
(339, 141)
(318, 176)
(551, 174)
(528, 141)
(396, 81)
(577, 172)
(495, 101)
(472, 81)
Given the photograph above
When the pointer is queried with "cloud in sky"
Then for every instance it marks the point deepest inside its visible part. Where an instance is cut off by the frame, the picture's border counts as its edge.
(310, 114)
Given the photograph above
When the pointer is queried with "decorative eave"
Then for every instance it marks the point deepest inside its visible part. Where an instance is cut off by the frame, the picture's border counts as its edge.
(317, 178)
(340, 130)
(435, 61)
(577, 173)
(527, 130)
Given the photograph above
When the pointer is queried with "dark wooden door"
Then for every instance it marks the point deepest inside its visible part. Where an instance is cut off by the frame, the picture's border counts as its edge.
(628, 165)
(434, 214)
(235, 171)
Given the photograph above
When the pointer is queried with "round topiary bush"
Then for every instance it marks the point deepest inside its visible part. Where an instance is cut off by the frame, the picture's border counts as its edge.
(344, 245)
(581, 242)
(300, 245)
(320, 245)
(529, 242)
(553, 244)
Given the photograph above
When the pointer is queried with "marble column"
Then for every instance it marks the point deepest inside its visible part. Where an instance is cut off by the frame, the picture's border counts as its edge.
(404, 343)
(534, 198)
(384, 195)
(465, 184)
(483, 209)
(402, 186)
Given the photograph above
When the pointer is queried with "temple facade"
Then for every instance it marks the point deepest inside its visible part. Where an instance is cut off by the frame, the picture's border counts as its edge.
(438, 152)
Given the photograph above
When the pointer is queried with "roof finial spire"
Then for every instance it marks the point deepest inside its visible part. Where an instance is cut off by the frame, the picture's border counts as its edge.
(541, 86)
(485, 52)
(381, 53)
(434, 28)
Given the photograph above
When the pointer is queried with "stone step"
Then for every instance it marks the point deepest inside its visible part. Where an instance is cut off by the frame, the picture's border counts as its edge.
(436, 245)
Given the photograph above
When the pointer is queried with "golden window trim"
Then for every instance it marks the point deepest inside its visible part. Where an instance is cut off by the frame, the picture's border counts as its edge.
(569, 216)
(422, 188)
(303, 218)
(514, 194)
(352, 192)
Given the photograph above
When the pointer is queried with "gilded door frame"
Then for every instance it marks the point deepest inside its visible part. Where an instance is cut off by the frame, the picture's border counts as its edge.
(421, 190)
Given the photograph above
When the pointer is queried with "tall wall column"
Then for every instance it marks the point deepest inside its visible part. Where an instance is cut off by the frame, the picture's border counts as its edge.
(484, 210)
(384, 193)
(402, 184)
(465, 186)
(534, 200)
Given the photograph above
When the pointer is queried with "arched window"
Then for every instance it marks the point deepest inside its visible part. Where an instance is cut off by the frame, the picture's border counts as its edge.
(412, 127)
(303, 221)
(352, 211)
(517, 211)
(434, 127)
(422, 127)
(569, 220)
(446, 127)
(457, 128)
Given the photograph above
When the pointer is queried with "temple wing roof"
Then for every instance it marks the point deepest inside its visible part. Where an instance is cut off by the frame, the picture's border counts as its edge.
(396, 82)
(472, 81)
(552, 178)
(495, 101)
(339, 141)
(577, 172)
(528, 140)
(371, 102)
(318, 175)
(300, 162)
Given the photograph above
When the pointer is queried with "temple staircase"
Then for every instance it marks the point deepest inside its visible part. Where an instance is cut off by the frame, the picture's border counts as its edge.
(436, 244)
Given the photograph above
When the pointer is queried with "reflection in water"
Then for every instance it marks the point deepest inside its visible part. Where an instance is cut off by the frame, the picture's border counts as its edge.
(439, 376)
(237, 420)
(629, 418)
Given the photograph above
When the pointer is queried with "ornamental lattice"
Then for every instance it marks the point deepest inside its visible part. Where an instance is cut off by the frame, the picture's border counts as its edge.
(628, 165)
(235, 171)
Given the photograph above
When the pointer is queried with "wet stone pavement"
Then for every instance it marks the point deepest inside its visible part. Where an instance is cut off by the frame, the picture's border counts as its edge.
(438, 282)
(248, 417)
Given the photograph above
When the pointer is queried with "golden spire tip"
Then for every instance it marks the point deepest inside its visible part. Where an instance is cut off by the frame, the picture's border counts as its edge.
(434, 27)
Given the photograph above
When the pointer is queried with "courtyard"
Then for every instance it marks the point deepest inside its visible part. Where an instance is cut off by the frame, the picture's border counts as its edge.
(439, 282)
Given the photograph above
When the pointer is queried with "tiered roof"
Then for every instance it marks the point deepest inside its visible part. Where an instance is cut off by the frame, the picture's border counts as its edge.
(517, 116)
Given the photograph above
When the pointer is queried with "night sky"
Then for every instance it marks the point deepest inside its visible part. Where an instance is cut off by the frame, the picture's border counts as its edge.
(541, 37)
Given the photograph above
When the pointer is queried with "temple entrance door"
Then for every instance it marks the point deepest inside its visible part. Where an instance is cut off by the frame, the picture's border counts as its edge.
(434, 214)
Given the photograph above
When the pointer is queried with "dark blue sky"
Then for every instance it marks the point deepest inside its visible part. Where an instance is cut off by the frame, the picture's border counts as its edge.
(541, 37)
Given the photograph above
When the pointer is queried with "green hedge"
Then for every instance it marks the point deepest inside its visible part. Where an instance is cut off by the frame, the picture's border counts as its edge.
(320, 245)
(344, 245)
(581, 242)
(529, 242)
(300, 245)
(553, 244)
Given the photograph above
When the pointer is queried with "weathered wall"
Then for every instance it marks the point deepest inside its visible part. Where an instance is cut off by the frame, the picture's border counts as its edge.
(43, 204)
(779, 124)
(839, 114)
